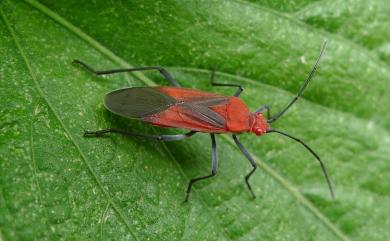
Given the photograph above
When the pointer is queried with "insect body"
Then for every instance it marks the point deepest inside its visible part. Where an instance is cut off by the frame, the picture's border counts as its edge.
(187, 109)
(196, 111)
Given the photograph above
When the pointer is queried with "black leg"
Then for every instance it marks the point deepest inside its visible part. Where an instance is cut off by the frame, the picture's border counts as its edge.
(128, 133)
(238, 92)
(251, 160)
(265, 107)
(214, 165)
(162, 71)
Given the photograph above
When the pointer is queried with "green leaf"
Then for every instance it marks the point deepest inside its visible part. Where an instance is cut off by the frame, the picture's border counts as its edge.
(55, 184)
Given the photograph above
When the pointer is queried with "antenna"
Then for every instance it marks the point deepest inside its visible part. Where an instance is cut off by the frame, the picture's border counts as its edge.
(311, 74)
(314, 154)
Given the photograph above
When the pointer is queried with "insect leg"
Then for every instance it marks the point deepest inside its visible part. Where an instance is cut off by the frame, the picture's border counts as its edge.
(238, 92)
(146, 136)
(251, 160)
(162, 71)
(214, 165)
(265, 107)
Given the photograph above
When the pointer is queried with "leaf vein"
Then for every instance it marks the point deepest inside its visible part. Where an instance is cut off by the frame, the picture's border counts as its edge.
(34, 164)
(102, 219)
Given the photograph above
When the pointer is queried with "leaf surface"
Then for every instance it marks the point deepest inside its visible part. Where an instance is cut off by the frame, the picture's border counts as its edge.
(55, 184)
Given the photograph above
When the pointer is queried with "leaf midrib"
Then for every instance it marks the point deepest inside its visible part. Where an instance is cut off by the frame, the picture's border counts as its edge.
(94, 43)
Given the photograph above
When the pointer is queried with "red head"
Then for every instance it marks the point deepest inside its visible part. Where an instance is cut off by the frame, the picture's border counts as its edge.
(259, 125)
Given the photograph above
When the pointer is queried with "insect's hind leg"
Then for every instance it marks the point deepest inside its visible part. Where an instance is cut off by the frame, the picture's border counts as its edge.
(251, 160)
(162, 71)
(239, 90)
(214, 166)
(136, 134)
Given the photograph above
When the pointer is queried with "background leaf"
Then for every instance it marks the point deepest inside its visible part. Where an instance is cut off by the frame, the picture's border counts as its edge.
(57, 185)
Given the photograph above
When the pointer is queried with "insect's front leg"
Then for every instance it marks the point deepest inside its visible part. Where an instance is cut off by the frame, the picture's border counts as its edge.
(251, 160)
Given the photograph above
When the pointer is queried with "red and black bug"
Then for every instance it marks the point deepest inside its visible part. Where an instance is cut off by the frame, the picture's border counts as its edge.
(197, 111)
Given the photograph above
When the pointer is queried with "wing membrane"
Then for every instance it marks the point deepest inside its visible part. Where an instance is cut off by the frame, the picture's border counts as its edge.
(137, 102)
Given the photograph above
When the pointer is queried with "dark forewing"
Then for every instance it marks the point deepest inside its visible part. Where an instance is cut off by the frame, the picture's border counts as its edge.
(137, 102)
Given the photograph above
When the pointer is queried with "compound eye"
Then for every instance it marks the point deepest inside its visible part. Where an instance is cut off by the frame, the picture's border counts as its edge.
(258, 131)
